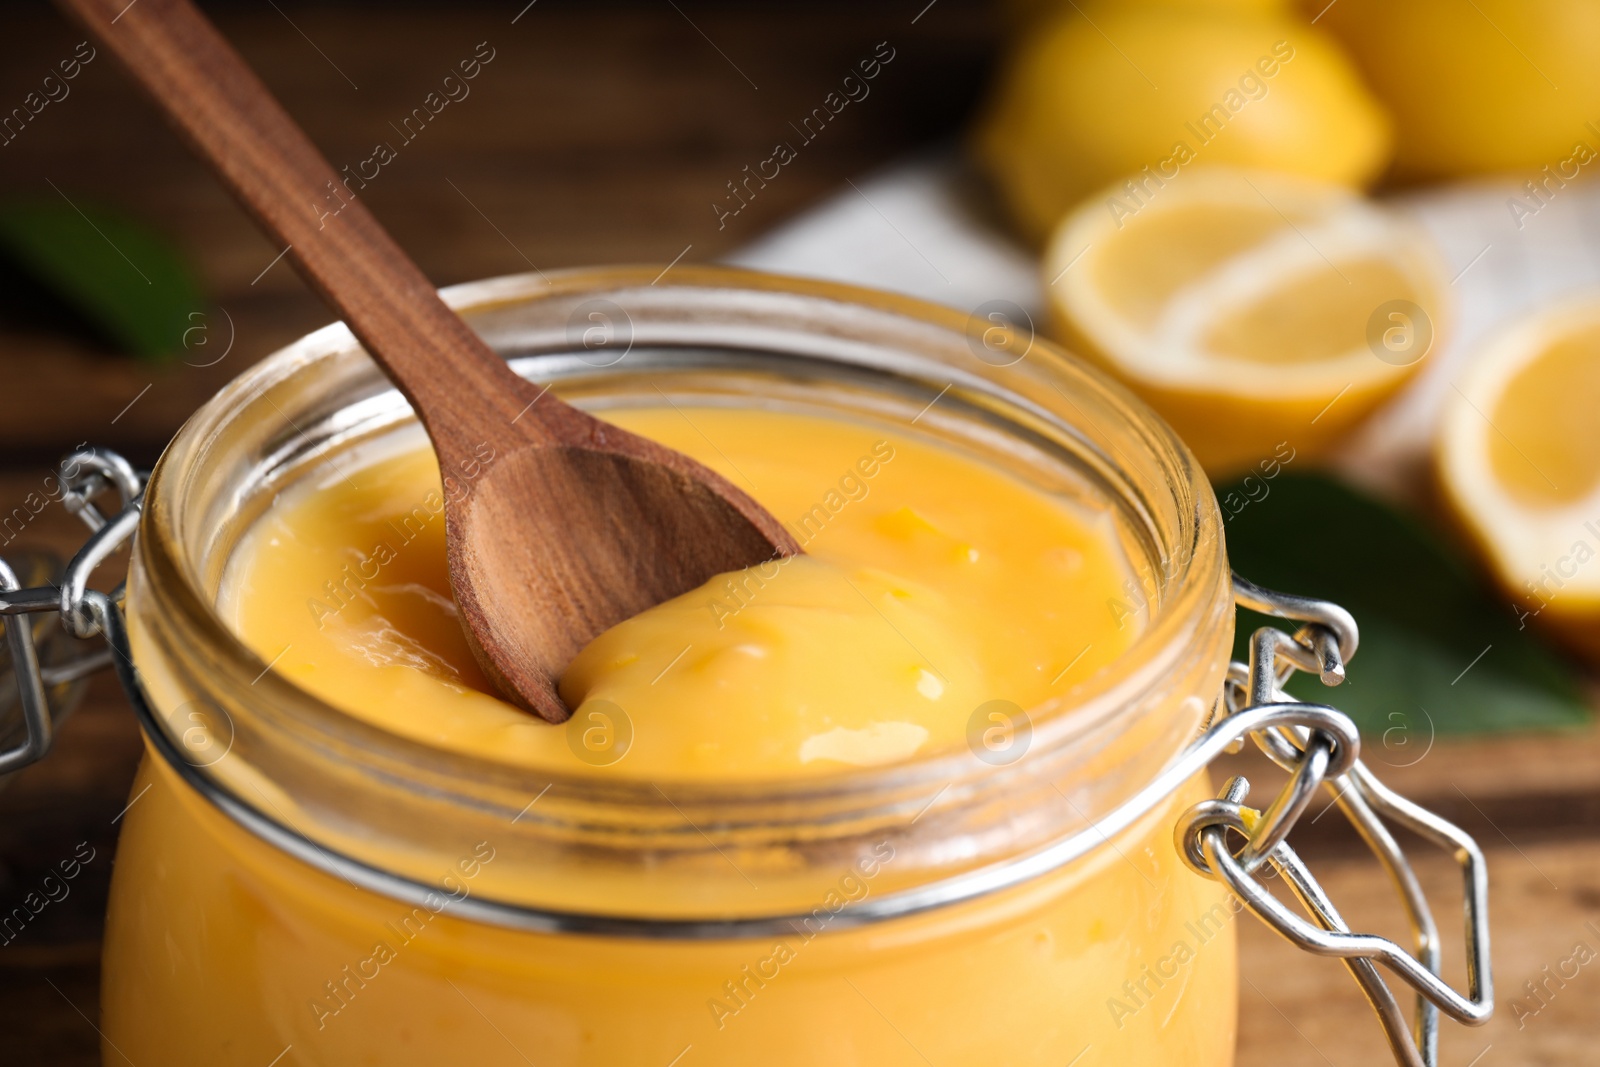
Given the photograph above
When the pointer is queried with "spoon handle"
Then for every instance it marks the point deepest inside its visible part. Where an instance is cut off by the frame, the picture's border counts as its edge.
(452, 378)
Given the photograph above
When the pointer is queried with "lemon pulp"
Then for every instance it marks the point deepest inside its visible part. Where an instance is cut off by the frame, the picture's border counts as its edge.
(1547, 448)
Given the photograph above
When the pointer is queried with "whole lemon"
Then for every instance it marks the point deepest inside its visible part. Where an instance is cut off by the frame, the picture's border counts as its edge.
(1104, 92)
(1488, 86)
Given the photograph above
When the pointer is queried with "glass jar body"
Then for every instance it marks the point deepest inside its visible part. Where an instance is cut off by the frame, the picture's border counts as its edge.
(222, 952)
(224, 948)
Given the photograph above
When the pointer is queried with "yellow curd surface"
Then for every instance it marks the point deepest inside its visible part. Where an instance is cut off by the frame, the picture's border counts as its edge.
(932, 586)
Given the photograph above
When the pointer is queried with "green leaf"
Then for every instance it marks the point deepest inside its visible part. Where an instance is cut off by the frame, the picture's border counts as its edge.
(126, 279)
(1440, 652)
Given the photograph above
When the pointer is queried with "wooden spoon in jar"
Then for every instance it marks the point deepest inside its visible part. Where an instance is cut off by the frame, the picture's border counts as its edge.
(574, 524)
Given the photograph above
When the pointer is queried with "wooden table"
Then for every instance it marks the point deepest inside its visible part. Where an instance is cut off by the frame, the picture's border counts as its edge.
(605, 135)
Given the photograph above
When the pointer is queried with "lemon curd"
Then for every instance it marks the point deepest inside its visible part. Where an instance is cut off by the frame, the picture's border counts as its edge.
(930, 586)
(938, 597)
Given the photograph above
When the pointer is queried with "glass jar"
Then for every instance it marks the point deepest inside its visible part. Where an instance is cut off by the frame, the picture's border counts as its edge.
(294, 886)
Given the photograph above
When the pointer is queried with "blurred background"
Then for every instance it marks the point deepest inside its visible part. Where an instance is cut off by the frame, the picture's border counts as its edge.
(1351, 250)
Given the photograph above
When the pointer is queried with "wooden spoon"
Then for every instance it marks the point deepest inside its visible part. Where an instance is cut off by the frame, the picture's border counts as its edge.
(575, 524)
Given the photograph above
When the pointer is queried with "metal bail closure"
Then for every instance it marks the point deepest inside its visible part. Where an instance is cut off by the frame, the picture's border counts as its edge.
(85, 475)
(30, 681)
(1319, 756)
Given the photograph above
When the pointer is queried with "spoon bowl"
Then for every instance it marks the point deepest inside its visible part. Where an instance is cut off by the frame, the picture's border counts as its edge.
(637, 524)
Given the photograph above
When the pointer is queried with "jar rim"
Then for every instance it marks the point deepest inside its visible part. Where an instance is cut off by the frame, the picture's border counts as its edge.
(1192, 572)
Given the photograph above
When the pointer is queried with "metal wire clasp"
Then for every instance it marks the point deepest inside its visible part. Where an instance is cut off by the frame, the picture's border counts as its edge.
(85, 475)
(1326, 756)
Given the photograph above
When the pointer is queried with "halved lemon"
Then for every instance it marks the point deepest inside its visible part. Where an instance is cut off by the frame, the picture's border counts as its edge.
(1518, 455)
(1256, 311)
